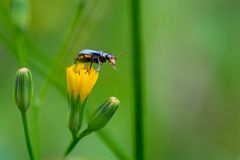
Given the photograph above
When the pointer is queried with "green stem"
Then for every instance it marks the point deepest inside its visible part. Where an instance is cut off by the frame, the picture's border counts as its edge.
(36, 130)
(62, 50)
(111, 143)
(7, 44)
(137, 78)
(75, 141)
(27, 137)
(113, 146)
(21, 47)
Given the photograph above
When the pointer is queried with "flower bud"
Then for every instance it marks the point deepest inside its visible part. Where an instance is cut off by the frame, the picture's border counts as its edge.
(75, 115)
(20, 13)
(23, 89)
(103, 114)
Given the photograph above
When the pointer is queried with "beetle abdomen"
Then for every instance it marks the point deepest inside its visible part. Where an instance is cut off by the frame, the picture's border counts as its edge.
(90, 52)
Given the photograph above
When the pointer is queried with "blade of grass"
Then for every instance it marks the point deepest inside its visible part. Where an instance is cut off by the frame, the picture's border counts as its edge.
(32, 62)
(111, 143)
(62, 50)
(8, 44)
(137, 78)
(36, 53)
(5, 18)
(21, 48)
(90, 23)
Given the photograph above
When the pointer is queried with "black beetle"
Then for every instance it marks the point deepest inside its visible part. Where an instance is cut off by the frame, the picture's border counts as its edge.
(95, 56)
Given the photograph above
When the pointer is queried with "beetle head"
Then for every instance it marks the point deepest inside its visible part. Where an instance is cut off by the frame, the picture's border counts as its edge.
(111, 58)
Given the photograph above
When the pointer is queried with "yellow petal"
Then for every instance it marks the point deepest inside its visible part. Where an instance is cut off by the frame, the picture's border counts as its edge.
(80, 80)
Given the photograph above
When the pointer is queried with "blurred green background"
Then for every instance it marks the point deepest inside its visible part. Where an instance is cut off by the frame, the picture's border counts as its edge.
(192, 78)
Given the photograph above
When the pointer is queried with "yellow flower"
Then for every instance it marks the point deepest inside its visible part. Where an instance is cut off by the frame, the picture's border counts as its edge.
(80, 80)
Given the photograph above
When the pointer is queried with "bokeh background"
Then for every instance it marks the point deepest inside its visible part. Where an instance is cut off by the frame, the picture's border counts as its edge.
(192, 78)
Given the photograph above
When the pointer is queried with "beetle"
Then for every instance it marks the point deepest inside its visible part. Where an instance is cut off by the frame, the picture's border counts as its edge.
(95, 56)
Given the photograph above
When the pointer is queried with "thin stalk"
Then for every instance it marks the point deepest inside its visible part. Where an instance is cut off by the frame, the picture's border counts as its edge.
(112, 145)
(62, 50)
(21, 48)
(75, 141)
(137, 78)
(36, 130)
(22, 53)
(87, 23)
(7, 44)
(27, 137)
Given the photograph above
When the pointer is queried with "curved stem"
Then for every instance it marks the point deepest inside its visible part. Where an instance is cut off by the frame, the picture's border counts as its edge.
(27, 137)
(21, 48)
(75, 141)
(62, 50)
(112, 145)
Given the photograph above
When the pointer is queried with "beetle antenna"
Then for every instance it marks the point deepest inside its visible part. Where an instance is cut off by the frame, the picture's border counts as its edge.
(115, 68)
(122, 54)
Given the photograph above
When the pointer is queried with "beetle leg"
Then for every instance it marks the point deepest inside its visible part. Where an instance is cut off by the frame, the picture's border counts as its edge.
(99, 65)
(88, 68)
(90, 65)
(75, 67)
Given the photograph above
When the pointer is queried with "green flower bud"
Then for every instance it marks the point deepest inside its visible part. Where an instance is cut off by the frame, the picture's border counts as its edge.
(20, 13)
(75, 114)
(23, 89)
(103, 114)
